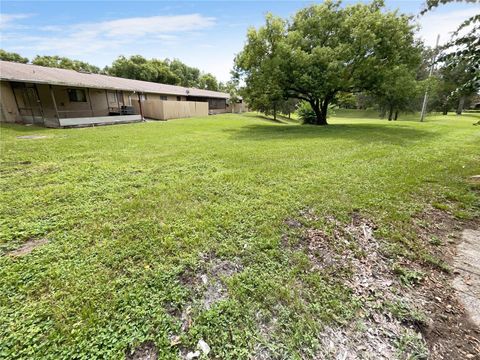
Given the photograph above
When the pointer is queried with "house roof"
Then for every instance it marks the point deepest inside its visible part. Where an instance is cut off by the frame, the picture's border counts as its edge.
(54, 76)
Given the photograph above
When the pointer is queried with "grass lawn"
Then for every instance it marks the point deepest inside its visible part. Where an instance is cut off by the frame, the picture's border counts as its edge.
(134, 213)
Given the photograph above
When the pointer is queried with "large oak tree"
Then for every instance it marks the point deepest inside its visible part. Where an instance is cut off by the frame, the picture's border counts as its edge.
(326, 49)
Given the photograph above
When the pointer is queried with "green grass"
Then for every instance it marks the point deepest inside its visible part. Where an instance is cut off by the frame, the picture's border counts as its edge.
(130, 209)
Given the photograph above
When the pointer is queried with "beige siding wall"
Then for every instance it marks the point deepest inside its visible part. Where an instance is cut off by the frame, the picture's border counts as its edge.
(238, 108)
(218, 111)
(8, 106)
(98, 103)
(96, 100)
(164, 109)
(67, 108)
(130, 97)
(169, 97)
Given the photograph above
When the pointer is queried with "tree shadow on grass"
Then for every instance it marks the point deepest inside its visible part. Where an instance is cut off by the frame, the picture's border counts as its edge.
(365, 133)
(281, 119)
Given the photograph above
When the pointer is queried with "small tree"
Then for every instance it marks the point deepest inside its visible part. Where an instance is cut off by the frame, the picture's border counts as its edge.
(288, 106)
(208, 81)
(264, 91)
(462, 51)
(450, 91)
(398, 93)
(187, 75)
(346, 100)
(231, 87)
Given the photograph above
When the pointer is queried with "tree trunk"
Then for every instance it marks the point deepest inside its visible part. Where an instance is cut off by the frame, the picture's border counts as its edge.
(445, 110)
(275, 112)
(396, 115)
(322, 120)
(320, 111)
(390, 113)
(461, 101)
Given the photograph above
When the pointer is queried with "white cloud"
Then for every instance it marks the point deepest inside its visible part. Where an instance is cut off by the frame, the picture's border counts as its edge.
(443, 23)
(84, 38)
(8, 20)
(143, 26)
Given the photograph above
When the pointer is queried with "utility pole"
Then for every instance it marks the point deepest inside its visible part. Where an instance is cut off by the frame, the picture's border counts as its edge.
(425, 97)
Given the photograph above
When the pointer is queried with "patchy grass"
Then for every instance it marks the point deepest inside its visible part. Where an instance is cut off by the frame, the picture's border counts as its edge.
(408, 277)
(133, 215)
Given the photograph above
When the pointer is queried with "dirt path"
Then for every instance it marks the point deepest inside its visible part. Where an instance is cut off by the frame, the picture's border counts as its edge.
(467, 268)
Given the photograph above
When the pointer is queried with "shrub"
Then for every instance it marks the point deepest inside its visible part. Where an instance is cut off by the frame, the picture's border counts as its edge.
(306, 114)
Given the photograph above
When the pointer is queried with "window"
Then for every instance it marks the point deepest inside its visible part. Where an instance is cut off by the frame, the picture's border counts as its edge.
(179, 98)
(163, 97)
(77, 95)
(112, 97)
(217, 103)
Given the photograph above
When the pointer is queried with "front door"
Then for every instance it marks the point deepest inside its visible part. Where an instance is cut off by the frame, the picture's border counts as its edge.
(28, 103)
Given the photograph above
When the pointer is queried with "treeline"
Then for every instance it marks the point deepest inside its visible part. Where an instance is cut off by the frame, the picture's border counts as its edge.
(173, 72)
(404, 92)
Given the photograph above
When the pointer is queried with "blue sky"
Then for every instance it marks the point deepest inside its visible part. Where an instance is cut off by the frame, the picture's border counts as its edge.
(205, 34)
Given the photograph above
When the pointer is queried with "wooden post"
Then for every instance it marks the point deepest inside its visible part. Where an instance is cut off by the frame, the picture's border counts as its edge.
(118, 103)
(106, 97)
(140, 105)
(90, 102)
(54, 104)
(16, 102)
(39, 102)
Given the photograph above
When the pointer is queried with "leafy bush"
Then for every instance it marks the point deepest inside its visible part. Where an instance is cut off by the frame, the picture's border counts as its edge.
(306, 114)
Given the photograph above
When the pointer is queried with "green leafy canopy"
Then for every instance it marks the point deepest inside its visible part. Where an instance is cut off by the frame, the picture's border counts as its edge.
(326, 49)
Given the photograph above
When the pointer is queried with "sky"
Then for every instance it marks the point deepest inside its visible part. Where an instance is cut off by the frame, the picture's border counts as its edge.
(205, 34)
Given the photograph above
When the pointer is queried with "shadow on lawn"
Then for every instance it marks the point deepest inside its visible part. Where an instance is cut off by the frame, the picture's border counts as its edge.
(396, 134)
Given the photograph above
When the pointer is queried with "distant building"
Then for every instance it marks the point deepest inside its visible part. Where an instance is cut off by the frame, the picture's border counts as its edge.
(475, 102)
(53, 97)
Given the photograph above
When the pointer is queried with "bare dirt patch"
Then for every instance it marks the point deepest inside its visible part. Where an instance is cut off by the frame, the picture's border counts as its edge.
(32, 137)
(146, 351)
(208, 287)
(215, 289)
(379, 332)
(475, 178)
(451, 333)
(28, 247)
(409, 308)
(350, 250)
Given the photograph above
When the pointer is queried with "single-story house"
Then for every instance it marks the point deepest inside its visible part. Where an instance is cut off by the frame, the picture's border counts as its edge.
(53, 97)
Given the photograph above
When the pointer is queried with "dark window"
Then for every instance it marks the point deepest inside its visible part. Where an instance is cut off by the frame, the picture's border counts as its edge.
(77, 95)
(179, 98)
(217, 103)
(163, 97)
